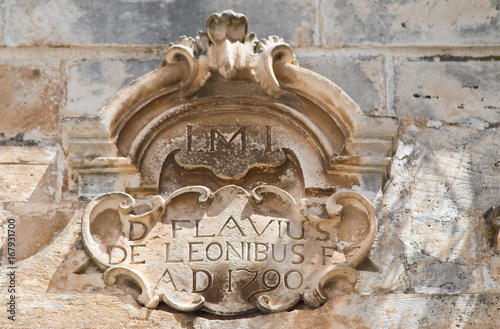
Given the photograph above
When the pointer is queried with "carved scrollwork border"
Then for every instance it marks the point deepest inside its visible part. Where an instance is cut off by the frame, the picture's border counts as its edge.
(314, 296)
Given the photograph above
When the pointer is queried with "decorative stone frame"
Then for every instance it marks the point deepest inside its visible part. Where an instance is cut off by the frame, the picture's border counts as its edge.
(347, 143)
(227, 76)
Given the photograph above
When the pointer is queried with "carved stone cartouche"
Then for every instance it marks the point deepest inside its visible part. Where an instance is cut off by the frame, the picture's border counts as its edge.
(252, 160)
(230, 251)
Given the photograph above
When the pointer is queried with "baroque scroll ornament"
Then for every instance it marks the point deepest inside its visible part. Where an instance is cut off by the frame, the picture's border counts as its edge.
(243, 150)
(227, 49)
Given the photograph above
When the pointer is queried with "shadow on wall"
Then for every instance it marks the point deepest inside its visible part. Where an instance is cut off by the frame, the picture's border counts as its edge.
(31, 182)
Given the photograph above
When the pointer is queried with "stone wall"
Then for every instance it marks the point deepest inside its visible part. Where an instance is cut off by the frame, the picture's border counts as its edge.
(434, 65)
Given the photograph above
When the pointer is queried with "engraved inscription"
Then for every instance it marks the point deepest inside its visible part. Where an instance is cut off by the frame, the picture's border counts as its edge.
(236, 251)
(229, 151)
(215, 134)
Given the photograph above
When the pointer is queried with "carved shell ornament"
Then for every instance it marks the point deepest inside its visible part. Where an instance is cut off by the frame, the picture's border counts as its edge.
(214, 243)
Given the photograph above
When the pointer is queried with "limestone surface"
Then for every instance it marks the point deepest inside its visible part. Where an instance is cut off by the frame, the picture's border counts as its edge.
(430, 68)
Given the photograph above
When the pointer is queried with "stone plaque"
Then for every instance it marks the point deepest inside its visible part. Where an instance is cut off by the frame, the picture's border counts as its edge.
(223, 180)
(230, 251)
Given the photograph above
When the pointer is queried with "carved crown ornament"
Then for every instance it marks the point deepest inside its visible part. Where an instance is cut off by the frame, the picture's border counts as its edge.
(224, 180)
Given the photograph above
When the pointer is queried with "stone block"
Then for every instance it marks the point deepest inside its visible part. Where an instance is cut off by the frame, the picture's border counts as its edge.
(361, 77)
(26, 155)
(30, 97)
(30, 174)
(492, 273)
(61, 22)
(409, 23)
(485, 277)
(31, 193)
(91, 185)
(36, 225)
(344, 312)
(388, 265)
(442, 181)
(92, 83)
(430, 277)
(74, 274)
(19, 182)
(463, 93)
(453, 168)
